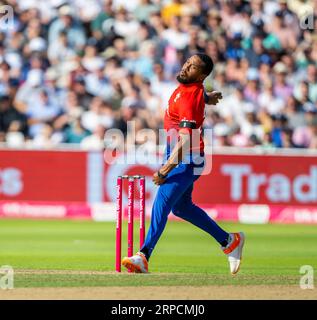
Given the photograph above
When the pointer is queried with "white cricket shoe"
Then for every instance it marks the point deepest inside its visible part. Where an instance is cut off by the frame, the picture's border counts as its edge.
(234, 251)
(136, 263)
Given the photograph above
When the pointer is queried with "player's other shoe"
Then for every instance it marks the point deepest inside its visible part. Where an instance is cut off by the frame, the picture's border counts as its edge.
(136, 263)
(234, 251)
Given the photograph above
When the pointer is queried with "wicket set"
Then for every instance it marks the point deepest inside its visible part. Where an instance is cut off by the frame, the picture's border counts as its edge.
(131, 185)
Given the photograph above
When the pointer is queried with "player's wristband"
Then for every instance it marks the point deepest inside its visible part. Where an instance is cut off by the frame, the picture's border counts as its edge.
(160, 175)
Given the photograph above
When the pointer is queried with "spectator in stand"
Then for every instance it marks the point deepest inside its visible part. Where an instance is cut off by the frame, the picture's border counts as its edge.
(97, 24)
(174, 35)
(29, 91)
(238, 139)
(14, 137)
(279, 126)
(172, 9)
(303, 136)
(8, 115)
(232, 108)
(73, 28)
(144, 10)
(251, 126)
(252, 89)
(94, 141)
(268, 102)
(256, 53)
(267, 143)
(312, 82)
(75, 132)
(45, 137)
(98, 114)
(286, 36)
(281, 87)
(214, 26)
(294, 113)
(303, 96)
(40, 112)
(60, 49)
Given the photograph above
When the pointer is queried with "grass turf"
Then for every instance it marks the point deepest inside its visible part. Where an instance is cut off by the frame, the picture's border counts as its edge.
(184, 255)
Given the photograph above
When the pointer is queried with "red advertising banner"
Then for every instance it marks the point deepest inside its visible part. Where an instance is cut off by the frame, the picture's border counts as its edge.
(43, 175)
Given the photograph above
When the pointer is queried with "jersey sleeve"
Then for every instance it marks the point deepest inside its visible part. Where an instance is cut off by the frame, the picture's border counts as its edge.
(189, 112)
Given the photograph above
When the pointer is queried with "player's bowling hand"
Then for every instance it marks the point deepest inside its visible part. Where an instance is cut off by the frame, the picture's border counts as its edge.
(157, 180)
(214, 97)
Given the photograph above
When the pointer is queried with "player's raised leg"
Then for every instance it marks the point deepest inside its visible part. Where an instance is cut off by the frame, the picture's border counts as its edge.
(231, 243)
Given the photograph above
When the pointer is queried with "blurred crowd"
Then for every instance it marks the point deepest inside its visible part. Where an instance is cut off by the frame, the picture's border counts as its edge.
(69, 70)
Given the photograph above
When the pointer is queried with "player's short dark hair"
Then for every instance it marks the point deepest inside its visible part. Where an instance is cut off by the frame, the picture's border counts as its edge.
(208, 63)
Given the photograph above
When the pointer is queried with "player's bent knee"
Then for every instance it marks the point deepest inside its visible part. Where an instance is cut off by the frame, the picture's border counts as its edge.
(181, 210)
(180, 213)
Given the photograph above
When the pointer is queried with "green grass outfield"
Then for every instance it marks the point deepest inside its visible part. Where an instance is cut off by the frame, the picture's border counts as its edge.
(184, 255)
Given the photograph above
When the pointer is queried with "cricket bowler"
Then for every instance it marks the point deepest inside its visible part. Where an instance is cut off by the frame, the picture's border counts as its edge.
(185, 114)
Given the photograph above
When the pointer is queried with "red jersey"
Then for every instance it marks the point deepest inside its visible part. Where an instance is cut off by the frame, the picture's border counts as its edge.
(186, 111)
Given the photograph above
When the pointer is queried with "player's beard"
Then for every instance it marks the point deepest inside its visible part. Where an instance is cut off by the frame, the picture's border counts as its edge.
(183, 80)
